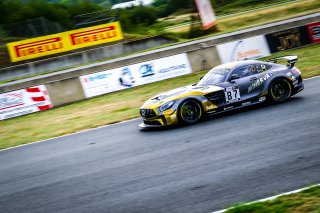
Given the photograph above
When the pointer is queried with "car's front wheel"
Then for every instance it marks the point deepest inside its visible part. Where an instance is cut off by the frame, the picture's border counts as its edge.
(190, 112)
(280, 90)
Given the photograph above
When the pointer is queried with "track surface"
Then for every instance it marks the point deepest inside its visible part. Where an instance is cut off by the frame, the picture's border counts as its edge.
(235, 157)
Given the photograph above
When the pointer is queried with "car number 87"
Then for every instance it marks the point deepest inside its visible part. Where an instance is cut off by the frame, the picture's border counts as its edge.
(232, 94)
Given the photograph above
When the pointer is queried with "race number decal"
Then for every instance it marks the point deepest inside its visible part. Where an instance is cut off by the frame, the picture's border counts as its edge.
(232, 94)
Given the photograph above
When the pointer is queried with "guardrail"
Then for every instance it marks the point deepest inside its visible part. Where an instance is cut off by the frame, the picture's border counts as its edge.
(68, 86)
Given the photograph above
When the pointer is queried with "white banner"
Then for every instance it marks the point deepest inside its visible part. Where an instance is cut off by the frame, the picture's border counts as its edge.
(207, 15)
(24, 101)
(249, 48)
(134, 75)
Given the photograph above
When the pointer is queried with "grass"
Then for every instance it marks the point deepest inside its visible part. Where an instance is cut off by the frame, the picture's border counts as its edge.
(113, 107)
(302, 202)
(263, 16)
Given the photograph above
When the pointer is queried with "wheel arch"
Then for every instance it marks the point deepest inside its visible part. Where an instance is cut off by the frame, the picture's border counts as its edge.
(193, 98)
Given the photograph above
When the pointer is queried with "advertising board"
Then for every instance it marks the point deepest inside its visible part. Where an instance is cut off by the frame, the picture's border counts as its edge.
(288, 39)
(24, 101)
(65, 41)
(206, 12)
(248, 48)
(135, 74)
(314, 32)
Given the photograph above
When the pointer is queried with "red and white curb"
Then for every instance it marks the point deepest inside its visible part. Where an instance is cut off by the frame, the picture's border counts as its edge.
(271, 198)
(87, 130)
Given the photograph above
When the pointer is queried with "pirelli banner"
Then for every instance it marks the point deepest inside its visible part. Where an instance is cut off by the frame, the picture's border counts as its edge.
(65, 41)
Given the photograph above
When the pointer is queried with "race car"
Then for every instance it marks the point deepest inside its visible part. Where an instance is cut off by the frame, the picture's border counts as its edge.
(225, 87)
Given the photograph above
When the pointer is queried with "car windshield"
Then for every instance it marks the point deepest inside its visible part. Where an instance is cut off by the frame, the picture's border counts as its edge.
(214, 76)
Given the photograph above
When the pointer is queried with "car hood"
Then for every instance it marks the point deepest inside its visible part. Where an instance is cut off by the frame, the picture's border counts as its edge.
(191, 90)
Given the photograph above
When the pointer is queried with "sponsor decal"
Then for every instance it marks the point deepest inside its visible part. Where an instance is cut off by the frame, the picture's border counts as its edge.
(314, 32)
(96, 77)
(288, 39)
(88, 36)
(146, 70)
(174, 116)
(65, 41)
(249, 48)
(135, 75)
(24, 101)
(246, 103)
(12, 99)
(262, 98)
(260, 81)
(209, 107)
(227, 108)
(126, 79)
(42, 46)
(169, 69)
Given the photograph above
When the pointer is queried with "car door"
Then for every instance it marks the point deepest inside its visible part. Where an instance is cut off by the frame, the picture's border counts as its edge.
(237, 90)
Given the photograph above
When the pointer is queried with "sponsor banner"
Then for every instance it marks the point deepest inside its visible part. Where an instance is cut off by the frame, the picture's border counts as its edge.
(249, 48)
(134, 75)
(288, 39)
(207, 15)
(65, 41)
(24, 101)
(314, 32)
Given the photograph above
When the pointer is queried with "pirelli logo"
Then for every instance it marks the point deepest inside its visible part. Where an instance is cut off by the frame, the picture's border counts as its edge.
(66, 41)
(100, 34)
(37, 47)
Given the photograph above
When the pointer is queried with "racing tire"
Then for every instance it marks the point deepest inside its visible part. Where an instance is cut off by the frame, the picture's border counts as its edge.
(190, 112)
(280, 90)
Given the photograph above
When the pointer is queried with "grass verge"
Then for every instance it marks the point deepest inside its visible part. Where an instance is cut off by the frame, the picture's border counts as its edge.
(113, 107)
(260, 17)
(306, 201)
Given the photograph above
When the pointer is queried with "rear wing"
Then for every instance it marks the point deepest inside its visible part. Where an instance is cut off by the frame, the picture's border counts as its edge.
(291, 59)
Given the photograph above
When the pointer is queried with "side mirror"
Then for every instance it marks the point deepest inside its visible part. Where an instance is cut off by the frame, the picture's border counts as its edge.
(234, 77)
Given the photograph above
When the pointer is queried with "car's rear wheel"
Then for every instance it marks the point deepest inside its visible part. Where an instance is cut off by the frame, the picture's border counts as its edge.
(280, 90)
(190, 112)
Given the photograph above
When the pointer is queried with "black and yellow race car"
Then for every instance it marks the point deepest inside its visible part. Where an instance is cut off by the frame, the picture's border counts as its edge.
(225, 87)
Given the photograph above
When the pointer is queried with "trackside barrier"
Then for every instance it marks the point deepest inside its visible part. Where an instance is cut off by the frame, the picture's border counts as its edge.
(68, 86)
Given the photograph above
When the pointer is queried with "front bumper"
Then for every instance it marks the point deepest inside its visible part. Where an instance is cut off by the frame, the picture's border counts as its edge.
(168, 117)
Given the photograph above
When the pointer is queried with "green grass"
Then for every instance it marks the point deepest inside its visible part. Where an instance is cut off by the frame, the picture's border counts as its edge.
(260, 17)
(113, 107)
(302, 202)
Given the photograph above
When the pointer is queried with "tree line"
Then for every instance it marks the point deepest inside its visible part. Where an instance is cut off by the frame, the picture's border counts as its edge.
(64, 12)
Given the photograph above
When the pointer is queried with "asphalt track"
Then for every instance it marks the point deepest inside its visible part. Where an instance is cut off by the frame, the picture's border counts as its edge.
(235, 157)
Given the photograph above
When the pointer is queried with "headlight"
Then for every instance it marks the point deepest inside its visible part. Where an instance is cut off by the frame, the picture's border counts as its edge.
(166, 106)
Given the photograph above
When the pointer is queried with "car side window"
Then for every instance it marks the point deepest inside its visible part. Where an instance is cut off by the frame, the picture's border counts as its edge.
(245, 71)
(262, 67)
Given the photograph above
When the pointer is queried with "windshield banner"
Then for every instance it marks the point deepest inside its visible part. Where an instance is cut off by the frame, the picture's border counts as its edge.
(135, 74)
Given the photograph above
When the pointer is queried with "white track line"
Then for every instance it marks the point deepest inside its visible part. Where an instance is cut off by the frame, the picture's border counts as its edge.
(87, 130)
(271, 198)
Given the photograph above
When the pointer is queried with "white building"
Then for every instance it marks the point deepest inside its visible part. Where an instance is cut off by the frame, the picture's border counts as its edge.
(132, 4)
